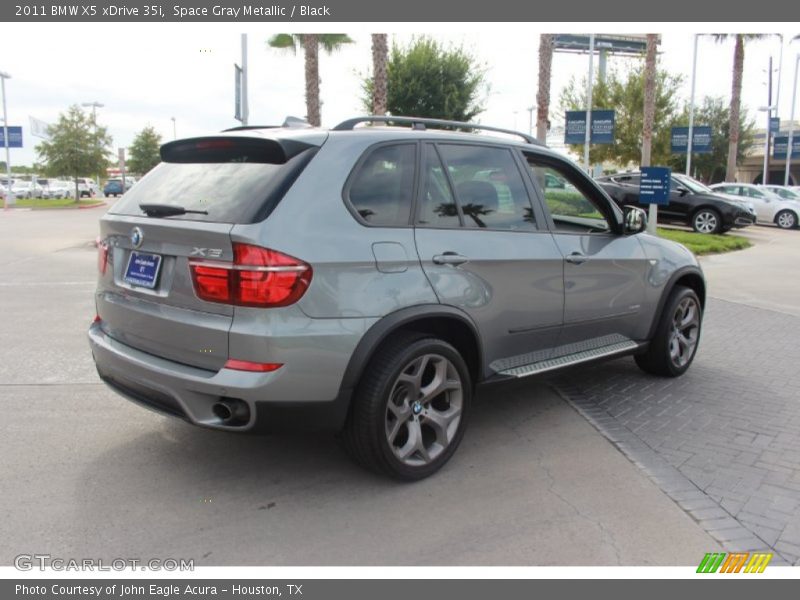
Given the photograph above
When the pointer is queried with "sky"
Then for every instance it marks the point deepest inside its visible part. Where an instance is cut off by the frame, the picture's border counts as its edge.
(145, 74)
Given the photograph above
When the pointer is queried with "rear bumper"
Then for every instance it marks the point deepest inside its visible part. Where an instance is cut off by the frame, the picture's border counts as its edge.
(276, 400)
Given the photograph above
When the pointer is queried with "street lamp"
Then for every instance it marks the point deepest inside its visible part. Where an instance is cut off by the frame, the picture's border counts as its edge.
(174, 129)
(9, 193)
(94, 105)
(790, 141)
(765, 176)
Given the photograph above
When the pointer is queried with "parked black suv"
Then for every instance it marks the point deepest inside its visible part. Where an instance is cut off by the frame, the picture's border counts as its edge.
(690, 203)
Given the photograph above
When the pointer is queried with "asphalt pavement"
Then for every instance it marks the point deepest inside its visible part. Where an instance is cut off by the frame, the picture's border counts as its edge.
(87, 474)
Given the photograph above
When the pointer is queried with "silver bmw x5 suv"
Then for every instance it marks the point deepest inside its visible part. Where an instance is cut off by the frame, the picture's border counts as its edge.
(365, 280)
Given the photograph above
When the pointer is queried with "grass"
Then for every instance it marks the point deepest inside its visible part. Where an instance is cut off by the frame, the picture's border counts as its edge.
(705, 243)
(55, 202)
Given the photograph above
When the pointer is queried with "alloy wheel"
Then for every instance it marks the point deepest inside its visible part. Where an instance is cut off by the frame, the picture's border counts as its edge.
(705, 222)
(684, 332)
(787, 220)
(424, 410)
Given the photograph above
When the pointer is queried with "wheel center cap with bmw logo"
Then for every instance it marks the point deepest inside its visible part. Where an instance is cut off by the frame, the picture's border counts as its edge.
(136, 237)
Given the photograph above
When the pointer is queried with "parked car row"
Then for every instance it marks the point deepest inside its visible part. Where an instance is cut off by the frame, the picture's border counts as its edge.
(712, 209)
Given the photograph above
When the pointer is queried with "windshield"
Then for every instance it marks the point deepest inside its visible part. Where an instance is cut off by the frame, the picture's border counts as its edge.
(694, 185)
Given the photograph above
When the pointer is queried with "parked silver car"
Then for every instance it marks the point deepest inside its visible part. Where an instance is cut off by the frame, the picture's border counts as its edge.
(769, 206)
(366, 279)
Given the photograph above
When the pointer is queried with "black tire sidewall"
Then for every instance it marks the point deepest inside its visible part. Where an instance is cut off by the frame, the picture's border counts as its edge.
(415, 350)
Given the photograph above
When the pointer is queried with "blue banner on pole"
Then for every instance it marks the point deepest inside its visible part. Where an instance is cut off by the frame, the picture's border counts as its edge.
(602, 127)
(14, 137)
(774, 124)
(780, 144)
(701, 140)
(654, 185)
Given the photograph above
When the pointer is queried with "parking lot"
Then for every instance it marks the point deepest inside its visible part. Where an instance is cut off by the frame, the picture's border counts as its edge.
(604, 466)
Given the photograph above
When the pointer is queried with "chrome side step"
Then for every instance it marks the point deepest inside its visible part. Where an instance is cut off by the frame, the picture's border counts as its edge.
(570, 359)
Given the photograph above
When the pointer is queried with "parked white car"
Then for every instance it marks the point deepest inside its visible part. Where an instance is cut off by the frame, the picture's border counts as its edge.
(26, 189)
(784, 192)
(87, 188)
(770, 207)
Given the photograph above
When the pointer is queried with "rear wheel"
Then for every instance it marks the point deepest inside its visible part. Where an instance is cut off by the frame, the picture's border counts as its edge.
(410, 410)
(786, 219)
(706, 220)
(674, 345)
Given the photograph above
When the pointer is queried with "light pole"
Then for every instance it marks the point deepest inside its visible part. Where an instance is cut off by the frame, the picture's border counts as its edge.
(764, 176)
(9, 193)
(94, 105)
(174, 129)
(587, 139)
(691, 108)
(791, 124)
(530, 120)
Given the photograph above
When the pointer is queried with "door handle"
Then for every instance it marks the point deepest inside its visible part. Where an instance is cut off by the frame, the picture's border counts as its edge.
(449, 258)
(576, 258)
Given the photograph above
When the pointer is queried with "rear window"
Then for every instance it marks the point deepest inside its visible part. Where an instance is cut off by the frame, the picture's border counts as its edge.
(382, 187)
(231, 192)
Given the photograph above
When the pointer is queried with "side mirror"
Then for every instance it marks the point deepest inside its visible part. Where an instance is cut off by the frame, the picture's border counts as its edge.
(682, 191)
(635, 220)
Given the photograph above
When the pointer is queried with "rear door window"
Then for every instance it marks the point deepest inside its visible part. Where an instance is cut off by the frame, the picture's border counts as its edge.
(381, 189)
(487, 185)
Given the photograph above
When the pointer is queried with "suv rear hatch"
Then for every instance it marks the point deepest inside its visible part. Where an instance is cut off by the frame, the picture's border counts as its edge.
(146, 296)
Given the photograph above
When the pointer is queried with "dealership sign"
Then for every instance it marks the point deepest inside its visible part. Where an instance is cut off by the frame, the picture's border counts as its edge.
(602, 127)
(14, 137)
(701, 139)
(780, 144)
(654, 185)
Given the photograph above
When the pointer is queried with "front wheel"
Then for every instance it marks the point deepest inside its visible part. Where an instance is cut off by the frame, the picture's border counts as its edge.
(674, 345)
(786, 219)
(410, 409)
(706, 220)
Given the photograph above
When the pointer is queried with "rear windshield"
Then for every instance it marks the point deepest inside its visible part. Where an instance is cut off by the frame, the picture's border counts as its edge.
(231, 192)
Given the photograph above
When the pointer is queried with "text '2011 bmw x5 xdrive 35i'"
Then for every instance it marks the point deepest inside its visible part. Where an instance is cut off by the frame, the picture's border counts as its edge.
(366, 279)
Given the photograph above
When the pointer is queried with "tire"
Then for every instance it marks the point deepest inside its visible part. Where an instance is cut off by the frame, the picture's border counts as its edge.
(786, 219)
(397, 429)
(670, 355)
(706, 220)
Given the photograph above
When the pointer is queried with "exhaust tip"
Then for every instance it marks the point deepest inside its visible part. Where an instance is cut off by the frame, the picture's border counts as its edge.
(231, 411)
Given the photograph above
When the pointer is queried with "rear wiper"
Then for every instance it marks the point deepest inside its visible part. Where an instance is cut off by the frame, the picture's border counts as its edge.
(168, 210)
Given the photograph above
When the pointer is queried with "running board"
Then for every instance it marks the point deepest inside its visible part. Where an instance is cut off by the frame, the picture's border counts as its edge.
(570, 359)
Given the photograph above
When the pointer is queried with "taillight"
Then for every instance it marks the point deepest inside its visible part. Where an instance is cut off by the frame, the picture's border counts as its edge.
(257, 277)
(102, 255)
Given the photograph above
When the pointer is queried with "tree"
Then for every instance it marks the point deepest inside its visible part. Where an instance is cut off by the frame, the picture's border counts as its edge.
(736, 98)
(649, 107)
(77, 146)
(144, 151)
(624, 92)
(427, 79)
(546, 46)
(710, 167)
(380, 57)
(311, 43)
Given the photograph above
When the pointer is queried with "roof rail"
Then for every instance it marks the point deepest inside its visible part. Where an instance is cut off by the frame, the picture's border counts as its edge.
(421, 122)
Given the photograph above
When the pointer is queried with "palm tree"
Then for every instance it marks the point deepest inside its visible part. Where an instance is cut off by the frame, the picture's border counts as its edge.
(310, 42)
(546, 46)
(736, 97)
(649, 97)
(380, 56)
